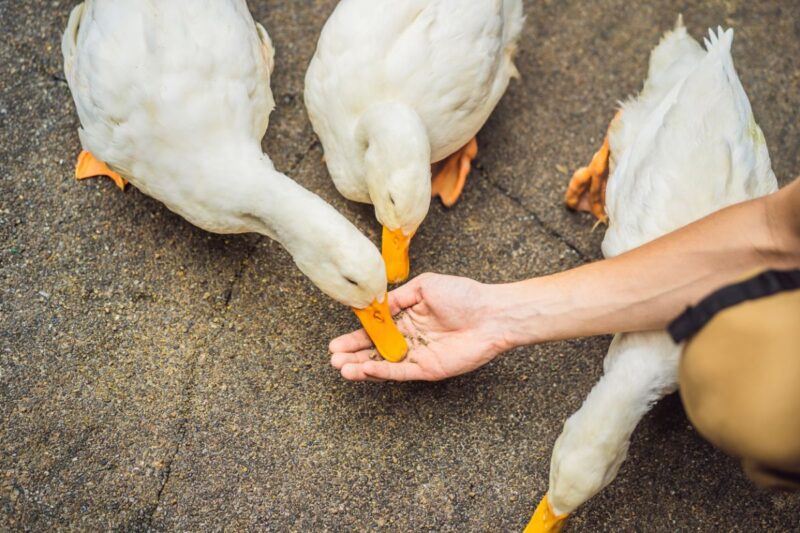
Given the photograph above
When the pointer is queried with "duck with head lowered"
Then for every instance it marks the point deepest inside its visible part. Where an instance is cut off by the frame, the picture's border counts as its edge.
(396, 86)
(174, 97)
(688, 145)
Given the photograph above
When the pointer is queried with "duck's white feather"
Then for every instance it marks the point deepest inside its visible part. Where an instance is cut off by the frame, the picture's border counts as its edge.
(698, 151)
(688, 146)
(671, 61)
(639, 370)
(175, 95)
(132, 65)
(447, 61)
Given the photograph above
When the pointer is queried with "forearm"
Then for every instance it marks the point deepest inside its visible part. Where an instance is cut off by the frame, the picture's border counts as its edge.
(647, 287)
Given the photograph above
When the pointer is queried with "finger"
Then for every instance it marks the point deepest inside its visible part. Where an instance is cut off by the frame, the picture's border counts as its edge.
(355, 372)
(406, 296)
(338, 360)
(350, 343)
(387, 371)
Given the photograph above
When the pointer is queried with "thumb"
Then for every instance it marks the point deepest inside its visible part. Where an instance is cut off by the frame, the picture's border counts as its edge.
(406, 296)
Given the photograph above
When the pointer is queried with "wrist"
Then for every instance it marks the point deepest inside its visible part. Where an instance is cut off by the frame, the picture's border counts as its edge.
(517, 312)
(491, 322)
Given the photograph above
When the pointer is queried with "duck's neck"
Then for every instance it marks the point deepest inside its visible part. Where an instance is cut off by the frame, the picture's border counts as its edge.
(254, 197)
(276, 206)
(393, 133)
(397, 157)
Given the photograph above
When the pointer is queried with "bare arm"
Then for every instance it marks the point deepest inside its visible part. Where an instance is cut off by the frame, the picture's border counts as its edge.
(648, 287)
(457, 325)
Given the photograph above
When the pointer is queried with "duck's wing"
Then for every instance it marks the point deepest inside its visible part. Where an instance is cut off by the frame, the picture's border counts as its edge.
(671, 61)
(267, 100)
(69, 42)
(514, 20)
(701, 150)
(266, 47)
(675, 56)
(98, 114)
(464, 56)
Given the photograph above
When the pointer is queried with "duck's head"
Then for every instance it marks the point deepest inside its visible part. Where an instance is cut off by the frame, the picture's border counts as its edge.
(349, 269)
(401, 202)
(347, 266)
(397, 171)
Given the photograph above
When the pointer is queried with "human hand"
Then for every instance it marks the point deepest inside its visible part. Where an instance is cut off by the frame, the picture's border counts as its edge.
(450, 327)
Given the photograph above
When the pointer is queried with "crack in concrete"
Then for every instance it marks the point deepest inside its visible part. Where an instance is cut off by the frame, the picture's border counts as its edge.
(302, 157)
(190, 385)
(552, 232)
(237, 276)
(182, 430)
(188, 391)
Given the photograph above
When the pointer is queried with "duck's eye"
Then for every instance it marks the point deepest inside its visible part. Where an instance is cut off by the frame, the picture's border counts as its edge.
(391, 199)
(351, 282)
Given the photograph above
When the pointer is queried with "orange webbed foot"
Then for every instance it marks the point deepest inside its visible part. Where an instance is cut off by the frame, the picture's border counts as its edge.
(452, 175)
(587, 188)
(89, 167)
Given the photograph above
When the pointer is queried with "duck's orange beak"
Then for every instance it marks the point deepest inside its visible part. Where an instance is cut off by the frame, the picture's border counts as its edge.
(545, 520)
(395, 254)
(378, 323)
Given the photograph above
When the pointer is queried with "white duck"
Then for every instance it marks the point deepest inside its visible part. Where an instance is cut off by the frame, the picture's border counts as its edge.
(175, 97)
(396, 86)
(687, 146)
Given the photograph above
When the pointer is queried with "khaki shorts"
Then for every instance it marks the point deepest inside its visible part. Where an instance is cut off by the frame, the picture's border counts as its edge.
(740, 374)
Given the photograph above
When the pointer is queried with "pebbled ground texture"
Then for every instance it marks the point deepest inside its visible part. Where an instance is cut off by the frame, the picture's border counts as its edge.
(156, 377)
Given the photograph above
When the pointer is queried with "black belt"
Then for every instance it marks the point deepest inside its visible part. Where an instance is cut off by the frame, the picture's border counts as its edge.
(791, 477)
(765, 284)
